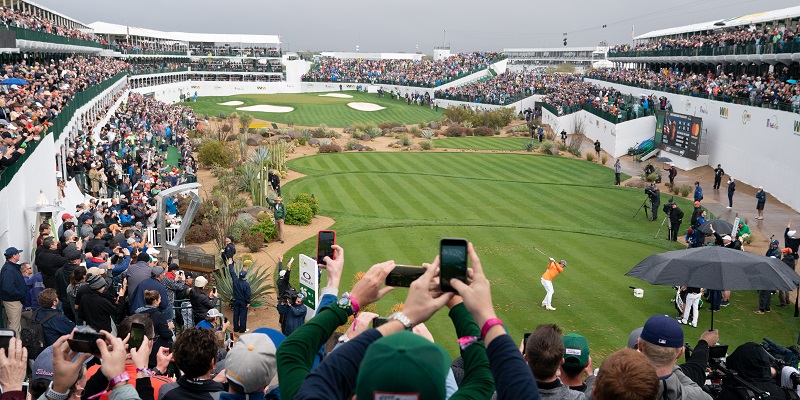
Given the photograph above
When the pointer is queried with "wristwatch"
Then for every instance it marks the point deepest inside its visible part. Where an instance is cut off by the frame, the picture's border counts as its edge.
(345, 303)
(53, 395)
(399, 316)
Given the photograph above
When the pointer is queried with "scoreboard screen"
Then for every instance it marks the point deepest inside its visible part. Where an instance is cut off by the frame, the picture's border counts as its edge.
(678, 133)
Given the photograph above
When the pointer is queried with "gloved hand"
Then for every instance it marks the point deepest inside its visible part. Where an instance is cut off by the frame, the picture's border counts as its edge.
(551, 259)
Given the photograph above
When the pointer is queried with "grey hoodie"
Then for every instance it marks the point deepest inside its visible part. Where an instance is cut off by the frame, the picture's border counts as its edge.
(677, 386)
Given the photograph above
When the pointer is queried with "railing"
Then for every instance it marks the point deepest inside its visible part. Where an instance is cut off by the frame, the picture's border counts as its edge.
(775, 104)
(169, 232)
(145, 52)
(36, 36)
(237, 54)
(732, 50)
(59, 124)
(158, 71)
(610, 117)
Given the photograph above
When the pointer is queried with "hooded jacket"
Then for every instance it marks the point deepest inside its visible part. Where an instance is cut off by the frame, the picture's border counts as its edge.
(752, 363)
(677, 386)
(49, 261)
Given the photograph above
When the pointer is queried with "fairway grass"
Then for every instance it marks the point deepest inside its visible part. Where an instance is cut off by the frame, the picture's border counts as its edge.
(398, 205)
(313, 109)
(483, 143)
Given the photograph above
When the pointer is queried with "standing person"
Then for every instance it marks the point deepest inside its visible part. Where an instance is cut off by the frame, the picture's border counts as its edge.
(761, 199)
(698, 191)
(718, 172)
(279, 213)
(617, 172)
(691, 304)
(564, 136)
(12, 288)
(228, 252)
(274, 181)
(293, 311)
(789, 259)
(597, 149)
(553, 269)
(655, 200)
(673, 172)
(731, 189)
(675, 219)
(241, 301)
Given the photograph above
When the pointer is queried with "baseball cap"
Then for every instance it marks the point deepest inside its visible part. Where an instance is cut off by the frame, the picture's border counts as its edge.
(282, 273)
(633, 338)
(242, 273)
(791, 233)
(251, 363)
(152, 251)
(576, 350)
(662, 330)
(66, 216)
(69, 233)
(12, 251)
(775, 242)
(157, 270)
(43, 365)
(696, 203)
(200, 282)
(300, 296)
(72, 255)
(403, 363)
(727, 237)
(213, 313)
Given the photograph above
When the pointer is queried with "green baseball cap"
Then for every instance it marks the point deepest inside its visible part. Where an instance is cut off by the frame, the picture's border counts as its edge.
(403, 363)
(576, 350)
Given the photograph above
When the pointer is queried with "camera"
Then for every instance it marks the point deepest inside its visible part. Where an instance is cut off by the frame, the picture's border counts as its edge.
(668, 207)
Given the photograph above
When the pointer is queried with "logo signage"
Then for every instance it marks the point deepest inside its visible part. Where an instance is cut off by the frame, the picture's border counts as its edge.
(772, 122)
(746, 117)
(309, 283)
(723, 112)
(796, 128)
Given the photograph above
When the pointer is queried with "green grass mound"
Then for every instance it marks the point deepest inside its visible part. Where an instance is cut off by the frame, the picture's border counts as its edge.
(311, 109)
(398, 205)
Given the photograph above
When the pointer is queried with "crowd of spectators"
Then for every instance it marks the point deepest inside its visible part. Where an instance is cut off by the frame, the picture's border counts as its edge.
(425, 73)
(772, 39)
(28, 20)
(26, 110)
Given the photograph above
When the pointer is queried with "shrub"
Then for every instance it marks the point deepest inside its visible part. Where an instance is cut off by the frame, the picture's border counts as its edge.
(530, 146)
(685, 189)
(330, 148)
(406, 141)
(546, 146)
(676, 189)
(217, 153)
(253, 241)
(414, 130)
(590, 157)
(604, 159)
(356, 134)
(455, 130)
(263, 215)
(363, 126)
(351, 145)
(483, 131)
(298, 214)
(199, 233)
(373, 132)
(301, 141)
(427, 134)
(265, 229)
(521, 129)
(247, 257)
(576, 152)
(426, 145)
(562, 147)
(467, 124)
(238, 228)
(389, 125)
(312, 201)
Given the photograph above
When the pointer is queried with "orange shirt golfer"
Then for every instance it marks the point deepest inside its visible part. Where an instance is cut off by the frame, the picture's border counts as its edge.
(553, 269)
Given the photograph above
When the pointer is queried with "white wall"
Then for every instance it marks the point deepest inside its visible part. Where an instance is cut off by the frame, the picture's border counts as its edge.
(615, 139)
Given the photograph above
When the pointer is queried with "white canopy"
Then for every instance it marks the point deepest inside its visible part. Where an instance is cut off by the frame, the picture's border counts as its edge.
(105, 28)
(755, 18)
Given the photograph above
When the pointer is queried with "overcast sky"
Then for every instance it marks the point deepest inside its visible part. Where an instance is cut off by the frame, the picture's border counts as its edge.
(401, 26)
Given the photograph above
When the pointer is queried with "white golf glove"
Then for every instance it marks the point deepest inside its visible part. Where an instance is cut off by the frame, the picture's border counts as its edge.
(551, 259)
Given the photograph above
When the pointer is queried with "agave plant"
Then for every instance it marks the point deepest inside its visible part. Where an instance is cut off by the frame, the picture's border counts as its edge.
(259, 156)
(261, 287)
(427, 134)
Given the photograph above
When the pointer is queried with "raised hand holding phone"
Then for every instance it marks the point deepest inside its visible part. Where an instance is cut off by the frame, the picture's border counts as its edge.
(325, 242)
(453, 262)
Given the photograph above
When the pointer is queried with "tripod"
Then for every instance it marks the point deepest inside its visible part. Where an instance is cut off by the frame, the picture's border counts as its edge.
(669, 227)
(645, 206)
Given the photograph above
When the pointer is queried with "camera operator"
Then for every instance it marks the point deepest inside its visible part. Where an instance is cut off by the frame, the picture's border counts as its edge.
(753, 365)
(675, 220)
(655, 200)
(293, 311)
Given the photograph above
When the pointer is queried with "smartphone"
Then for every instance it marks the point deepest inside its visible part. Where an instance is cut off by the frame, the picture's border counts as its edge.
(325, 242)
(5, 338)
(379, 321)
(403, 275)
(452, 262)
(525, 341)
(137, 335)
(85, 342)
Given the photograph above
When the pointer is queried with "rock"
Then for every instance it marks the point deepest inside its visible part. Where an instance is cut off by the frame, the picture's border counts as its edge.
(413, 147)
(636, 183)
(400, 129)
(367, 148)
(554, 151)
(348, 129)
(365, 137)
(295, 134)
(247, 218)
(358, 147)
(254, 140)
(433, 125)
(194, 249)
(313, 141)
(386, 131)
(278, 138)
(252, 211)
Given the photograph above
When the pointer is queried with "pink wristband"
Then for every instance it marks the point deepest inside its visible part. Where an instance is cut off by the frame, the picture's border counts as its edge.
(123, 377)
(354, 304)
(489, 324)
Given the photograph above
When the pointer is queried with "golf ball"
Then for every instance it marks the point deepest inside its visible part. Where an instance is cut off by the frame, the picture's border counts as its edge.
(569, 305)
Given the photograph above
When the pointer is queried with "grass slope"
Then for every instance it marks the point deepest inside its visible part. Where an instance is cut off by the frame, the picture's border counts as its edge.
(311, 109)
(398, 205)
(483, 143)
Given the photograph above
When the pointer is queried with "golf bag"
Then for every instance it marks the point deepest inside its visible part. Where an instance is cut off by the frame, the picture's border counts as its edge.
(680, 301)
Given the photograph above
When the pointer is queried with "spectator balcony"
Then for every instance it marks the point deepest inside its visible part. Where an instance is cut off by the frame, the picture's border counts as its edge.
(28, 40)
(744, 53)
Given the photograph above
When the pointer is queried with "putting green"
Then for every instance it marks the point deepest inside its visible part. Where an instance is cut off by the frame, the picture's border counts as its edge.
(312, 109)
(398, 205)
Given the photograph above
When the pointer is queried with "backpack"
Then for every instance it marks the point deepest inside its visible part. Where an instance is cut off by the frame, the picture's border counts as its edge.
(32, 335)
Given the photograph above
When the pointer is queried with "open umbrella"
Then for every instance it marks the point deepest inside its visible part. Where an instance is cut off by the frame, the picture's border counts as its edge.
(716, 267)
(720, 225)
(791, 81)
(13, 81)
(664, 159)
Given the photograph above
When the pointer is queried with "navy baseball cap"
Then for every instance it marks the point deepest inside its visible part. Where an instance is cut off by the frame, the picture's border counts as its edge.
(12, 251)
(664, 331)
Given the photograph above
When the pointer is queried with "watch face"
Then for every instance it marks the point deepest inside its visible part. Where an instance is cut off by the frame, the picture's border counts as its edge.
(344, 301)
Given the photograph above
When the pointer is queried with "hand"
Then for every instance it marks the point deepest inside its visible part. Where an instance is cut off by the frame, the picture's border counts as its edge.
(125, 251)
(280, 258)
(477, 295)
(12, 368)
(113, 359)
(65, 370)
(589, 370)
(163, 358)
(423, 331)
(551, 259)
(368, 290)
(360, 324)
(421, 303)
(711, 337)
(334, 266)
(141, 356)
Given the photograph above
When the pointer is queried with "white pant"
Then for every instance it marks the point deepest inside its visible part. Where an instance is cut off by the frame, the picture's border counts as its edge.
(548, 287)
(692, 302)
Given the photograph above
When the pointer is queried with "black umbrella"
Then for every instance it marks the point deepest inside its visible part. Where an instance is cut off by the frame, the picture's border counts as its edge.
(720, 225)
(664, 159)
(716, 267)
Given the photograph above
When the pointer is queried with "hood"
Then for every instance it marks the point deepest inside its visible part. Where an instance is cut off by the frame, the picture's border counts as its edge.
(751, 361)
(142, 309)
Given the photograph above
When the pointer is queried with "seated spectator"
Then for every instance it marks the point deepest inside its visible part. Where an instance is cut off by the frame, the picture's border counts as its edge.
(626, 375)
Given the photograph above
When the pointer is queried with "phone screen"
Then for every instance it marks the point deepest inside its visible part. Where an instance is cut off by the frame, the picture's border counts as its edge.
(378, 322)
(5, 338)
(525, 341)
(452, 262)
(137, 336)
(325, 242)
(403, 275)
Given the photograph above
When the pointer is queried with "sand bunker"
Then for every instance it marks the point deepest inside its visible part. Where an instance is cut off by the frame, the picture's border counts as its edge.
(231, 103)
(337, 95)
(267, 108)
(365, 106)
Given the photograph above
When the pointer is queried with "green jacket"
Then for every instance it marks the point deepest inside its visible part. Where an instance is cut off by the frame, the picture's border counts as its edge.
(280, 209)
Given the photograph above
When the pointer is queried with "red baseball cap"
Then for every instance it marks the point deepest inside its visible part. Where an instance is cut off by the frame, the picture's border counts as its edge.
(65, 217)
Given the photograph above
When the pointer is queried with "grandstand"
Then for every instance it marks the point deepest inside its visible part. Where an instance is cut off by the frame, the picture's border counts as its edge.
(539, 59)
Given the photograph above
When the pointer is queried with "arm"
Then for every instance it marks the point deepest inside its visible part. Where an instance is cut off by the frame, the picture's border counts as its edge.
(477, 381)
(123, 265)
(299, 311)
(96, 384)
(512, 376)
(144, 388)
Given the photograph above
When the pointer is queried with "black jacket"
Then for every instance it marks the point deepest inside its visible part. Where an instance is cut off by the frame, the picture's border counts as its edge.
(201, 303)
(752, 363)
(97, 310)
(193, 389)
(790, 242)
(62, 280)
(676, 216)
(49, 261)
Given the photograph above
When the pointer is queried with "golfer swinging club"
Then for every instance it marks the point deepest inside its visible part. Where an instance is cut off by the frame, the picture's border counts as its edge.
(553, 269)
